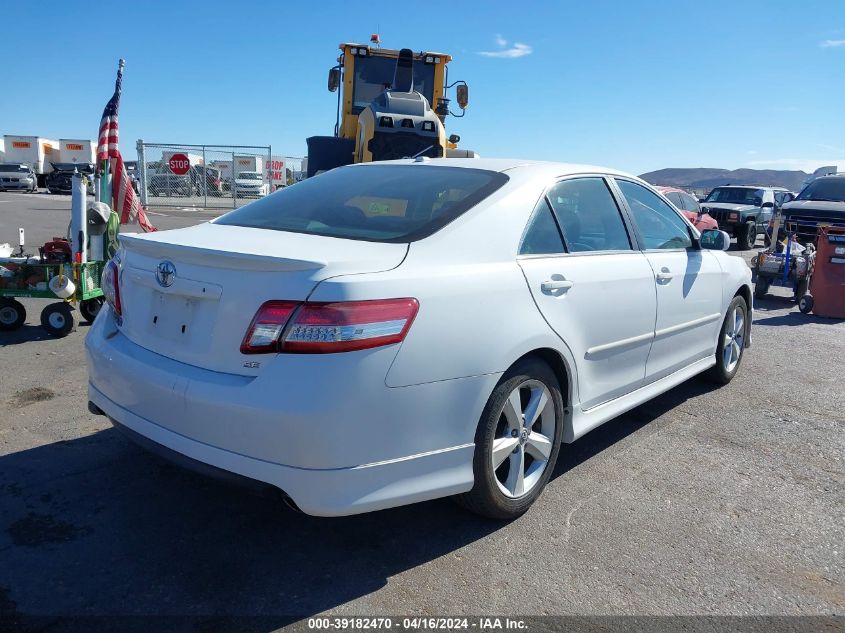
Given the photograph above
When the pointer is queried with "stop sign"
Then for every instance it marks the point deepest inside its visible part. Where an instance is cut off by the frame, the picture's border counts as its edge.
(179, 164)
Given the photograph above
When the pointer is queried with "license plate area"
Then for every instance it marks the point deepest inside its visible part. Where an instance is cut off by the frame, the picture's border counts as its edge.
(173, 317)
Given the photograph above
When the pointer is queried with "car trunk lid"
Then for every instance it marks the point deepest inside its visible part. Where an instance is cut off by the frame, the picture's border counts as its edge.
(190, 294)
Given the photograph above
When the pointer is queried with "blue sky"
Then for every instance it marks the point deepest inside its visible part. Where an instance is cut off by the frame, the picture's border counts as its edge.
(633, 85)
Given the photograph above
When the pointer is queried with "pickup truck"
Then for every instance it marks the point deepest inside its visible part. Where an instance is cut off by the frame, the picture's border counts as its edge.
(744, 211)
(820, 202)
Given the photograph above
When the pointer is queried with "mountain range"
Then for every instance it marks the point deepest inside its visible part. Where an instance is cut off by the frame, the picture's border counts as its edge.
(707, 178)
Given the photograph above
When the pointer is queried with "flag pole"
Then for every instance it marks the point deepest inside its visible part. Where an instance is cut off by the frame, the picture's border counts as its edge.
(107, 188)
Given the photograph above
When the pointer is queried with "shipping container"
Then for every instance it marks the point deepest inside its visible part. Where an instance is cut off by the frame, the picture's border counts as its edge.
(35, 151)
(76, 150)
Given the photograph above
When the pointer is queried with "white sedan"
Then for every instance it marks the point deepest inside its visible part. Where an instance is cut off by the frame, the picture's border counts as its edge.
(393, 332)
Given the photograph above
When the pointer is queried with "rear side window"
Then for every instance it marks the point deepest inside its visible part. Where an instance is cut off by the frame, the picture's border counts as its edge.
(542, 236)
(588, 216)
(380, 203)
(660, 225)
(690, 203)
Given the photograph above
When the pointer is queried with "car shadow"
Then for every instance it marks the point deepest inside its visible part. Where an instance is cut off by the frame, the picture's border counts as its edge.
(114, 530)
(605, 436)
(28, 332)
(23, 334)
(797, 318)
(97, 526)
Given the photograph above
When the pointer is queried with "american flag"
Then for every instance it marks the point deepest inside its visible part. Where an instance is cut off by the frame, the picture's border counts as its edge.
(124, 199)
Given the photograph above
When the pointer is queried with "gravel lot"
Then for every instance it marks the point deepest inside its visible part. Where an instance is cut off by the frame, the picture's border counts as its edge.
(704, 501)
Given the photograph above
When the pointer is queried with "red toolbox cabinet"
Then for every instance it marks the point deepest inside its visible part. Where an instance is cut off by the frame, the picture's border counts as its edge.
(827, 285)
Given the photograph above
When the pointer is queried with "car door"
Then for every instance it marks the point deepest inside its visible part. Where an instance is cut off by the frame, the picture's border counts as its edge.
(594, 289)
(688, 282)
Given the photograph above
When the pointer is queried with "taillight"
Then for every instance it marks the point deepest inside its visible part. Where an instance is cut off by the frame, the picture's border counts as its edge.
(111, 286)
(324, 328)
(264, 333)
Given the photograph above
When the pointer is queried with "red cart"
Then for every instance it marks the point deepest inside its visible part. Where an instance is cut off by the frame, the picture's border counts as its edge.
(827, 286)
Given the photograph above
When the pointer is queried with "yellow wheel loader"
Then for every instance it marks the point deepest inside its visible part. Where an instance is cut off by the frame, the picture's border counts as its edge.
(390, 104)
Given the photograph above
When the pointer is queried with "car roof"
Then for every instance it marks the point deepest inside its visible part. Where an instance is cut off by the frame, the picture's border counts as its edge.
(663, 189)
(533, 167)
(752, 187)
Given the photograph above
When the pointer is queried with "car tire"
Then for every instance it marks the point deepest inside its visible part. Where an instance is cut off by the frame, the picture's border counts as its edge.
(747, 236)
(761, 288)
(513, 461)
(730, 346)
(57, 319)
(90, 308)
(12, 314)
(806, 303)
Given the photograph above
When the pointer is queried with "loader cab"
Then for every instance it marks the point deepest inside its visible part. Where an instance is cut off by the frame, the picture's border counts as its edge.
(390, 104)
(367, 71)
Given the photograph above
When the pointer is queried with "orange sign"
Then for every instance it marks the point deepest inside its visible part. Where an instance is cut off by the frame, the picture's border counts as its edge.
(21, 144)
(74, 146)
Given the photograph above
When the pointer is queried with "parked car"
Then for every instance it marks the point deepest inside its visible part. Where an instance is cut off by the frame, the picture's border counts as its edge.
(688, 205)
(165, 183)
(213, 180)
(250, 184)
(744, 211)
(59, 180)
(391, 332)
(17, 177)
(821, 201)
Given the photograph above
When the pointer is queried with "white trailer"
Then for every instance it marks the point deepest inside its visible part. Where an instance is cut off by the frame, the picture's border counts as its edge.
(76, 150)
(225, 167)
(2, 151)
(35, 151)
(248, 163)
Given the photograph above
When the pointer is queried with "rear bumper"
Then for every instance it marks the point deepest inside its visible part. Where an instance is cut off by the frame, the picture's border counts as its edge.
(329, 434)
(319, 492)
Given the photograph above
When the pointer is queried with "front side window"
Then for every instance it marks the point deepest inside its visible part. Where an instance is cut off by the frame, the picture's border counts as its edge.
(660, 225)
(373, 74)
(588, 216)
(380, 203)
(542, 236)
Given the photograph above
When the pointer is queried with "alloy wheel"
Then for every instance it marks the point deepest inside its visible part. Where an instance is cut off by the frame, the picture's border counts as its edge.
(523, 439)
(734, 340)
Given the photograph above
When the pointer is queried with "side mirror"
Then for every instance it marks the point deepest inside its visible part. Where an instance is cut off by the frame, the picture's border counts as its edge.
(462, 94)
(715, 240)
(334, 79)
(454, 139)
(767, 205)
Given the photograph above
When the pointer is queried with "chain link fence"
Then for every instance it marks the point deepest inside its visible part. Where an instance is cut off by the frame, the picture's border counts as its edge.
(210, 176)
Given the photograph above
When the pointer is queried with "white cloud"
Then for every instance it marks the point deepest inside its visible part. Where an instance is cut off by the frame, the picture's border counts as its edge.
(517, 50)
(832, 43)
(501, 42)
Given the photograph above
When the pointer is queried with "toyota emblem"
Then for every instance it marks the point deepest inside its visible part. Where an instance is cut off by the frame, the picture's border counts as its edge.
(165, 274)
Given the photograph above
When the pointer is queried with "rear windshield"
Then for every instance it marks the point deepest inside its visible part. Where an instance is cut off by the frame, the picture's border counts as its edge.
(381, 203)
(22, 168)
(825, 189)
(736, 195)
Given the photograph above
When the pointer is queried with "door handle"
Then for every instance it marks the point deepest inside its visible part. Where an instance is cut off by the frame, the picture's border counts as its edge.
(556, 284)
(664, 275)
